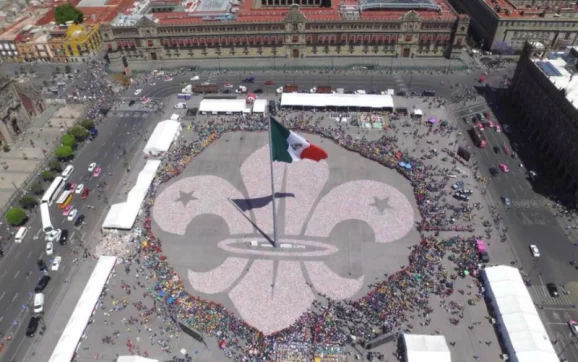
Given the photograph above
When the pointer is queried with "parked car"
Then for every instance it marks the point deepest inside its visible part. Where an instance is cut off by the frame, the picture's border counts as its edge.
(497, 150)
(91, 167)
(504, 167)
(42, 283)
(32, 326)
(573, 325)
(63, 237)
(458, 185)
(56, 263)
(506, 200)
(85, 193)
(41, 265)
(493, 171)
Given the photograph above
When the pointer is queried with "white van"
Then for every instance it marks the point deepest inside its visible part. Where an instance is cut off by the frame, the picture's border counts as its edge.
(67, 172)
(20, 234)
(38, 303)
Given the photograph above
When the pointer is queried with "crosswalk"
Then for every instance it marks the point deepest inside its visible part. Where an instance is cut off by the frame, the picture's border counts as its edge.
(133, 114)
(401, 86)
(540, 295)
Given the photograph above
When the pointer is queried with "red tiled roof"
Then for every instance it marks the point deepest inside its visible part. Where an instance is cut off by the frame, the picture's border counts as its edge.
(509, 10)
(247, 14)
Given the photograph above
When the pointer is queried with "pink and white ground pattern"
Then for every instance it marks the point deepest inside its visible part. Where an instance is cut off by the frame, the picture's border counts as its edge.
(274, 293)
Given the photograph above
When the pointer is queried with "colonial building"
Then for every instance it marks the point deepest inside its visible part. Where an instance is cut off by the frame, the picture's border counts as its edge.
(506, 25)
(19, 106)
(545, 92)
(165, 30)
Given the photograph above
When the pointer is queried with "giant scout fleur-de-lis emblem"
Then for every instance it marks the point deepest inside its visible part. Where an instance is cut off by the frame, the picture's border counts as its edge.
(267, 286)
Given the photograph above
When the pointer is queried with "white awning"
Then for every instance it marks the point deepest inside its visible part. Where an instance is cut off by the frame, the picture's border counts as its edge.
(123, 215)
(417, 112)
(524, 333)
(377, 101)
(260, 106)
(224, 106)
(162, 137)
(66, 346)
(426, 348)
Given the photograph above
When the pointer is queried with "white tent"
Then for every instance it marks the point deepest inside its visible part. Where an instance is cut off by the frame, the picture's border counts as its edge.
(519, 323)
(417, 112)
(135, 359)
(224, 106)
(123, 215)
(162, 137)
(376, 101)
(425, 348)
(259, 106)
(72, 334)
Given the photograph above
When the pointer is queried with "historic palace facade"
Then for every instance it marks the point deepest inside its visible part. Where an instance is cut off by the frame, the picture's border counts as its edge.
(264, 29)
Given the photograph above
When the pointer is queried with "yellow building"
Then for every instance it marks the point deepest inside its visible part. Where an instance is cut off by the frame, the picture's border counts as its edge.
(81, 41)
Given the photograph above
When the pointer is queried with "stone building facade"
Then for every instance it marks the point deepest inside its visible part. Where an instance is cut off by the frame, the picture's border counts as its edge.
(298, 33)
(506, 25)
(545, 93)
(19, 105)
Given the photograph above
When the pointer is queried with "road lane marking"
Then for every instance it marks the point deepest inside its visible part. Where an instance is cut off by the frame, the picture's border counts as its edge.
(15, 296)
(16, 274)
(29, 254)
(41, 255)
(2, 296)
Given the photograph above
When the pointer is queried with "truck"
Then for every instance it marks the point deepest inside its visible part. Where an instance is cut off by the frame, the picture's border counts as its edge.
(188, 89)
(323, 89)
(290, 88)
(205, 88)
(340, 91)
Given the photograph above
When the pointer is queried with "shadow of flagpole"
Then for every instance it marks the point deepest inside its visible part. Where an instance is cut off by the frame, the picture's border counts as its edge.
(267, 237)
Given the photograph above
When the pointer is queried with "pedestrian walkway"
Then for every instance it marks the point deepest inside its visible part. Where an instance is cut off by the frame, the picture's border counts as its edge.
(540, 295)
(289, 64)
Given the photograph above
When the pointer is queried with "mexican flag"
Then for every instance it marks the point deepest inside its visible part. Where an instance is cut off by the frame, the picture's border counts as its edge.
(289, 147)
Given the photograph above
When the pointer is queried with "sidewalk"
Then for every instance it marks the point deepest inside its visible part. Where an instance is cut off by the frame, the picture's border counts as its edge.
(321, 63)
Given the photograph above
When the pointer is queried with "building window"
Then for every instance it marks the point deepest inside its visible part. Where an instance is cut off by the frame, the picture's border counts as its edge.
(295, 39)
(408, 38)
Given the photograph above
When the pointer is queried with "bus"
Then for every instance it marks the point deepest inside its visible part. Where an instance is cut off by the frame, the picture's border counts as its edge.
(53, 191)
(479, 138)
(45, 215)
(64, 199)
(184, 96)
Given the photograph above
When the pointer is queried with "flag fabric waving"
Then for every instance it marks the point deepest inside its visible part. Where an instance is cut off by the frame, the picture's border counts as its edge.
(288, 146)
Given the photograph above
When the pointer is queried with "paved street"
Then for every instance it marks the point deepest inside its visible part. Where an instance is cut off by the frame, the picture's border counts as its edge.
(530, 220)
(17, 287)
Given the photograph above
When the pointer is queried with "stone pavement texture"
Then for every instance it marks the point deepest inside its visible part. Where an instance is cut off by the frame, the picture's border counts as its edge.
(27, 155)
(473, 336)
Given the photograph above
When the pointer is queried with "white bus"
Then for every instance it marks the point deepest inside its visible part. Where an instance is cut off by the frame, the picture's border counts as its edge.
(45, 215)
(53, 191)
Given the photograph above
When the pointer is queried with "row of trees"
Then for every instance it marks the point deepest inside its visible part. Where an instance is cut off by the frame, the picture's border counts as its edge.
(16, 216)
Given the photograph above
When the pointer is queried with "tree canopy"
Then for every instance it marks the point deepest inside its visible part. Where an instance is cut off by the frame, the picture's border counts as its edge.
(87, 123)
(67, 140)
(16, 216)
(63, 152)
(67, 12)
(78, 132)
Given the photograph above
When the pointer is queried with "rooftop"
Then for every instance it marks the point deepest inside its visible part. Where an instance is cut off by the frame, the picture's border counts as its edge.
(12, 32)
(560, 68)
(507, 9)
(207, 11)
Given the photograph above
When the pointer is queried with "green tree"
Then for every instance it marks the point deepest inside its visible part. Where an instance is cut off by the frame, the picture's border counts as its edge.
(16, 216)
(37, 188)
(6, 148)
(67, 12)
(55, 165)
(63, 152)
(67, 140)
(78, 132)
(28, 201)
(67, 69)
(87, 123)
(47, 175)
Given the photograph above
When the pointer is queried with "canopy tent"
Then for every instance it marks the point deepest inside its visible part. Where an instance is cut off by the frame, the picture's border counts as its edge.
(523, 332)
(425, 348)
(123, 215)
(162, 137)
(224, 106)
(317, 100)
(66, 346)
(417, 113)
(135, 359)
(260, 106)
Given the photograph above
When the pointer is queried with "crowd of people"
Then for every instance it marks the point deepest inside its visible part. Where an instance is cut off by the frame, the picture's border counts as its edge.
(329, 325)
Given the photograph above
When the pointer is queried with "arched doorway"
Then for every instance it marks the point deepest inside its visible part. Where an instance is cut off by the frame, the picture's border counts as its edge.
(15, 127)
(295, 53)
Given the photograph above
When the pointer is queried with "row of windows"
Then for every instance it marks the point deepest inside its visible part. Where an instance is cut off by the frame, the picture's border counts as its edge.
(542, 24)
(227, 29)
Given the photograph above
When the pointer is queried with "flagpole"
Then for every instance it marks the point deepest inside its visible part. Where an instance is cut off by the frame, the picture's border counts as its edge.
(275, 241)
